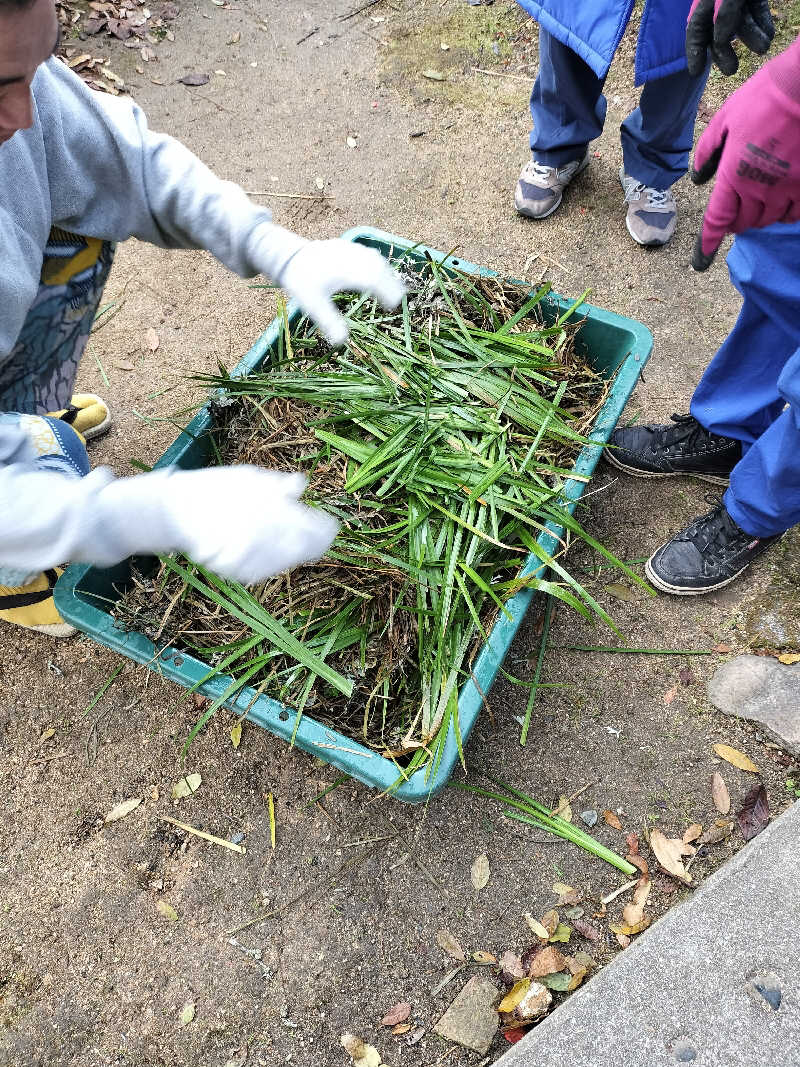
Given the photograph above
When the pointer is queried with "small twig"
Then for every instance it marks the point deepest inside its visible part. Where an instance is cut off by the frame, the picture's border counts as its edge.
(368, 841)
(306, 36)
(568, 800)
(618, 892)
(502, 74)
(358, 10)
(46, 759)
(201, 833)
(289, 196)
(428, 874)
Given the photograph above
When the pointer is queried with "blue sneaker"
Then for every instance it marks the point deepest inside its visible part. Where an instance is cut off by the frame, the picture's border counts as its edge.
(540, 188)
(652, 213)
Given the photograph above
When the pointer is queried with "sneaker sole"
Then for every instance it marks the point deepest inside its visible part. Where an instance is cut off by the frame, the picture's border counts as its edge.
(714, 479)
(549, 212)
(675, 590)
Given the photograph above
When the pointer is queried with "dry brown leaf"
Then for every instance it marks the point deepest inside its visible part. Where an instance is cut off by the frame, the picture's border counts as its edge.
(402, 1028)
(633, 913)
(541, 932)
(717, 833)
(234, 38)
(152, 339)
(124, 364)
(669, 852)
(612, 819)
(546, 961)
(623, 940)
(719, 794)
(737, 758)
(577, 977)
(450, 945)
(670, 694)
(563, 809)
(48, 733)
(550, 921)
(620, 592)
(119, 811)
(397, 1014)
(692, 833)
(485, 959)
(585, 929)
(514, 995)
(722, 649)
(479, 872)
(511, 969)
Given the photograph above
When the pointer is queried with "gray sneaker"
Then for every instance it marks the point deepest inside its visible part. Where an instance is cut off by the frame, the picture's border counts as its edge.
(540, 188)
(652, 213)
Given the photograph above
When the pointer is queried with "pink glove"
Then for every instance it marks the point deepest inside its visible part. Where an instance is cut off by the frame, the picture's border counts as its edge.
(753, 146)
(715, 23)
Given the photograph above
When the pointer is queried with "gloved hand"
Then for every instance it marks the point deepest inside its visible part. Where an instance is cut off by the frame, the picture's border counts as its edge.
(322, 268)
(715, 23)
(313, 271)
(753, 146)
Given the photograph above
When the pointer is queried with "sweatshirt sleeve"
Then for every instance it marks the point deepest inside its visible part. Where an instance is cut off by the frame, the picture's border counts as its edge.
(112, 177)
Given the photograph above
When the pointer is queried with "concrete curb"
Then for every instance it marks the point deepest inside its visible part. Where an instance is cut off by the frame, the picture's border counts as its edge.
(686, 990)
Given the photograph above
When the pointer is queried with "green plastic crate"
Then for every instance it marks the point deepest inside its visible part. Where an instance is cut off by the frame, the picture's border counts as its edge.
(615, 346)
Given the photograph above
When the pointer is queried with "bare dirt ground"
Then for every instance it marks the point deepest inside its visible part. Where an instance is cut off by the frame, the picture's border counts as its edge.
(91, 972)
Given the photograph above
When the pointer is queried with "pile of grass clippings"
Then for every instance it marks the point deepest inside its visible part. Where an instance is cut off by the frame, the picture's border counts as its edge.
(441, 436)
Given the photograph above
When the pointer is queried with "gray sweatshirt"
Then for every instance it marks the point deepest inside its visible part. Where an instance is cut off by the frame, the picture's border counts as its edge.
(90, 165)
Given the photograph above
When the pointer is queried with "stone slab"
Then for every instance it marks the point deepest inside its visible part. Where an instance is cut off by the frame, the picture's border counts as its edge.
(701, 985)
(471, 1020)
(761, 689)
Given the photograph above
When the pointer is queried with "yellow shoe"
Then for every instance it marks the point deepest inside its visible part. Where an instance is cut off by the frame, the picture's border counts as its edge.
(32, 606)
(87, 414)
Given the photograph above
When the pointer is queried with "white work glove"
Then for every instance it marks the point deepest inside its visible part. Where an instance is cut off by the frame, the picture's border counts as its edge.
(313, 271)
(242, 522)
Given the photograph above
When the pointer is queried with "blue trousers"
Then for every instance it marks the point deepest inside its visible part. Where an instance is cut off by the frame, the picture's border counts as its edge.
(568, 110)
(751, 389)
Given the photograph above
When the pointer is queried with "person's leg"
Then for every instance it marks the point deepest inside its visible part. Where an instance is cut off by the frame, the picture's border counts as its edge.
(656, 141)
(37, 378)
(568, 110)
(567, 105)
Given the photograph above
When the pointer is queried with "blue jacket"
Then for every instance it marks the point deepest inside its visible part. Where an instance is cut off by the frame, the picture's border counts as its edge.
(594, 28)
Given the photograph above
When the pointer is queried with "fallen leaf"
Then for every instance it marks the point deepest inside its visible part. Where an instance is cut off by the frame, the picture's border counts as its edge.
(619, 591)
(686, 676)
(737, 758)
(715, 834)
(47, 734)
(561, 889)
(754, 813)
(612, 819)
(633, 913)
(789, 657)
(363, 1055)
(692, 833)
(485, 959)
(577, 977)
(446, 941)
(148, 55)
(434, 75)
(124, 364)
(535, 1003)
(514, 995)
(165, 909)
(511, 969)
(541, 931)
(627, 930)
(638, 861)
(585, 929)
(669, 852)
(563, 809)
(397, 1014)
(479, 872)
(195, 78)
(562, 933)
(575, 912)
(187, 1013)
(623, 940)
(670, 694)
(402, 1028)
(119, 811)
(546, 961)
(515, 1034)
(320, 184)
(234, 38)
(722, 649)
(236, 734)
(184, 787)
(719, 794)
(559, 982)
(550, 921)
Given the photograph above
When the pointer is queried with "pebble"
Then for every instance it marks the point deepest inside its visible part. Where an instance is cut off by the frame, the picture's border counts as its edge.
(589, 816)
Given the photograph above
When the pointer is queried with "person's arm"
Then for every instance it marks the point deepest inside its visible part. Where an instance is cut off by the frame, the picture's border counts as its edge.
(242, 522)
(752, 145)
(112, 177)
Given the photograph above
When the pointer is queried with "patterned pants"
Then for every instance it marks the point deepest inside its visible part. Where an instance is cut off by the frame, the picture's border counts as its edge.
(39, 374)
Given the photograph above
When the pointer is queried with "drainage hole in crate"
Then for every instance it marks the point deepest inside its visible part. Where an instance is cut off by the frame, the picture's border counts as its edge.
(178, 661)
(283, 715)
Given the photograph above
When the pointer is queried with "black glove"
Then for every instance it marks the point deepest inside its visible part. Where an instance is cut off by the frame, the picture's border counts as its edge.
(715, 23)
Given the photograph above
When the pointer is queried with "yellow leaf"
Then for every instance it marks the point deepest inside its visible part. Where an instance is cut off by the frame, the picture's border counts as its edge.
(577, 977)
(789, 657)
(362, 1054)
(164, 908)
(541, 932)
(50, 732)
(236, 734)
(271, 807)
(187, 1013)
(514, 995)
(119, 811)
(561, 889)
(186, 786)
(563, 809)
(737, 758)
(486, 959)
(627, 931)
